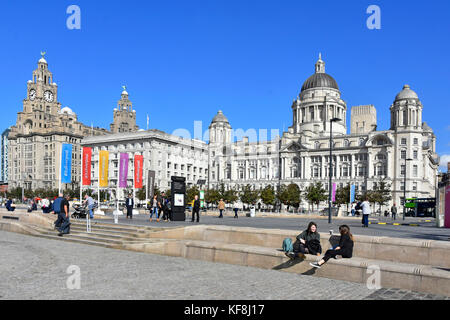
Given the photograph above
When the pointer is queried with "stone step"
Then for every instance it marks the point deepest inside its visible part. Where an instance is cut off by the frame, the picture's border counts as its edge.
(105, 232)
(421, 252)
(412, 277)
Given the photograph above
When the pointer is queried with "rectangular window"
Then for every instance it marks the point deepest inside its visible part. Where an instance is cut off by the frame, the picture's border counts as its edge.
(403, 141)
(416, 141)
(415, 186)
(415, 170)
(403, 154)
(402, 169)
(416, 154)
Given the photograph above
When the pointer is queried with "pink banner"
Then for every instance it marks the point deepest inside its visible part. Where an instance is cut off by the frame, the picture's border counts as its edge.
(333, 197)
(447, 207)
(123, 170)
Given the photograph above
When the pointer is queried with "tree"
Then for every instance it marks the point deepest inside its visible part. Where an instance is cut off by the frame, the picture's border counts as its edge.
(315, 193)
(268, 196)
(282, 195)
(382, 192)
(141, 193)
(293, 195)
(230, 196)
(343, 195)
(249, 196)
(212, 196)
(191, 193)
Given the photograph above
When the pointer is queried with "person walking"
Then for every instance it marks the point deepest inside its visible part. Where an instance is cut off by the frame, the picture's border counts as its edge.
(366, 211)
(353, 210)
(90, 205)
(236, 209)
(129, 204)
(65, 223)
(221, 207)
(345, 248)
(45, 205)
(154, 209)
(57, 210)
(394, 212)
(196, 209)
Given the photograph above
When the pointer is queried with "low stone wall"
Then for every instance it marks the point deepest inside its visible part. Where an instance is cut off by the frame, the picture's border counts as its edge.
(423, 252)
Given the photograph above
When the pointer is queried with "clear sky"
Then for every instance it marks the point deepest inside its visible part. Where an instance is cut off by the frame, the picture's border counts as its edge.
(182, 61)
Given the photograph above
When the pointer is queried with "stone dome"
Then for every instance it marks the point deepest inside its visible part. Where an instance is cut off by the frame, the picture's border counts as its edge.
(67, 110)
(319, 80)
(406, 93)
(219, 117)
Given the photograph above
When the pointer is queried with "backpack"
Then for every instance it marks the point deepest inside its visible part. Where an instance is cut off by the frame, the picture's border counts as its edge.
(314, 246)
(287, 245)
(358, 206)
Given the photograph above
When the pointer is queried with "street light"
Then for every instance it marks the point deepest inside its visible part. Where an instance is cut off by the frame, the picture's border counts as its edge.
(404, 189)
(331, 166)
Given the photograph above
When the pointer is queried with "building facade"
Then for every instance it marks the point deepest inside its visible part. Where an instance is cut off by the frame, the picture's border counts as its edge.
(35, 141)
(165, 154)
(364, 157)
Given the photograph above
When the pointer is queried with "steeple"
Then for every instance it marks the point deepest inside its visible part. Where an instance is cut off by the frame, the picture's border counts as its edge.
(320, 65)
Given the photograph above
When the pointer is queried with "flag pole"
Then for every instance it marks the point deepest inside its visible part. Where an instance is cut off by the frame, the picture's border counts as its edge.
(60, 169)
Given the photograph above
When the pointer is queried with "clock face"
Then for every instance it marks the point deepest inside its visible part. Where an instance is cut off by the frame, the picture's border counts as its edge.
(48, 95)
(32, 94)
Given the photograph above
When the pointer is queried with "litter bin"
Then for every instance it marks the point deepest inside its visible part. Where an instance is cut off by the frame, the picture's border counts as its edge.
(252, 212)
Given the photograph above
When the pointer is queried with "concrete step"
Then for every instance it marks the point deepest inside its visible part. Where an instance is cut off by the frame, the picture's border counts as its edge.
(72, 238)
(413, 277)
(111, 233)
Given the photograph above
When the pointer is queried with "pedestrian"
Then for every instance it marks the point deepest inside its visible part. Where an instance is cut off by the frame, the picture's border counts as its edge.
(366, 211)
(57, 210)
(45, 205)
(394, 211)
(165, 209)
(353, 209)
(154, 209)
(236, 209)
(308, 242)
(345, 248)
(10, 205)
(196, 209)
(65, 223)
(90, 205)
(130, 205)
(221, 207)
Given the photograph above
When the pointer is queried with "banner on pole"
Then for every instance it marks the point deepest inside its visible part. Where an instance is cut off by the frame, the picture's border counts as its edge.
(333, 198)
(151, 182)
(447, 208)
(123, 170)
(87, 160)
(66, 163)
(352, 193)
(138, 163)
(103, 168)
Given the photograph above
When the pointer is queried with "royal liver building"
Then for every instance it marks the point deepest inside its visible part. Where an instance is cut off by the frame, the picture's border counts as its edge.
(364, 157)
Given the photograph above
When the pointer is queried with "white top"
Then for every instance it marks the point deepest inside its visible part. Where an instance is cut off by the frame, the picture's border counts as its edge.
(366, 207)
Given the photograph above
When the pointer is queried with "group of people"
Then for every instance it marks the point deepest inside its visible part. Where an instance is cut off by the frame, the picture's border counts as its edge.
(308, 242)
(161, 207)
(221, 207)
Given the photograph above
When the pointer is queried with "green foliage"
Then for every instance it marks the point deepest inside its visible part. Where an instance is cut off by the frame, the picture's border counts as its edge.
(315, 193)
(212, 196)
(191, 193)
(230, 196)
(268, 196)
(141, 193)
(343, 195)
(249, 196)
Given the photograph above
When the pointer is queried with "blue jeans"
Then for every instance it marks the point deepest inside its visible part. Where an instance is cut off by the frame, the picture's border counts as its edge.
(91, 214)
(366, 220)
(154, 211)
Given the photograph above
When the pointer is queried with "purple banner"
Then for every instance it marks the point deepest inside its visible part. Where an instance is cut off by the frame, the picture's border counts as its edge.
(333, 198)
(123, 170)
(447, 208)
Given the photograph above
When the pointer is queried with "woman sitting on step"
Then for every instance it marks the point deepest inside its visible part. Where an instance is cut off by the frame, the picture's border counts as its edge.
(345, 248)
(308, 242)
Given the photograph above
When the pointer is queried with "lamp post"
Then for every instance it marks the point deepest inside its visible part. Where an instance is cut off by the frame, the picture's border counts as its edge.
(331, 166)
(404, 189)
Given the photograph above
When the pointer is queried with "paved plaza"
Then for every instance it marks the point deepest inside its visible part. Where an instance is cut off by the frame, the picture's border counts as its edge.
(36, 268)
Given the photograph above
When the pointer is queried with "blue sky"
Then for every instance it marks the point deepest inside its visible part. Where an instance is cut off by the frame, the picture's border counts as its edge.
(182, 61)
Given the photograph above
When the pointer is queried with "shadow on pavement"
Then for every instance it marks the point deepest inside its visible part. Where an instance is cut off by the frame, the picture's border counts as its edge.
(288, 264)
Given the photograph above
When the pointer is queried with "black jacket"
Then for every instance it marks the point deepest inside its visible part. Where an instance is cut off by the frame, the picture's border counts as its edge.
(196, 206)
(346, 245)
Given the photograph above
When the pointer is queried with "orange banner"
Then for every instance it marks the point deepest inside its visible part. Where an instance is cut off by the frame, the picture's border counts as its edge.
(103, 168)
